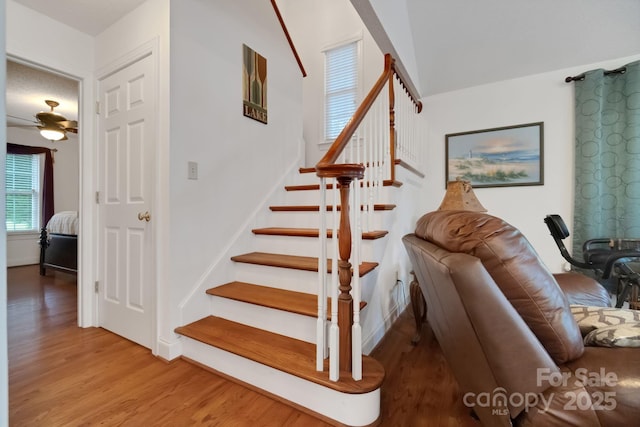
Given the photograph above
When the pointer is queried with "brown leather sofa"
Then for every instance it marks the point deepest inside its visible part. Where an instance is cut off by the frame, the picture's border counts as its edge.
(504, 324)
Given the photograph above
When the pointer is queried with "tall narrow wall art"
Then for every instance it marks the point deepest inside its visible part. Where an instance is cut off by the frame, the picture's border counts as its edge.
(254, 84)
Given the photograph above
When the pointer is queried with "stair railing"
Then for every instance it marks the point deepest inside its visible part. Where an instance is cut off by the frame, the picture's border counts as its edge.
(355, 167)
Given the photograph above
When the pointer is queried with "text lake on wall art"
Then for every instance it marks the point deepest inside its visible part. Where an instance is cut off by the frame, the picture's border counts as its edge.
(254, 84)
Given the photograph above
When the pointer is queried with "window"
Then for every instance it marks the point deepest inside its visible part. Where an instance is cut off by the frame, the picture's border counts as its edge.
(341, 87)
(22, 174)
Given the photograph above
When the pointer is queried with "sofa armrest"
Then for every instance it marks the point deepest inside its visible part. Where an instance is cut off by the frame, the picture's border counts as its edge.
(583, 290)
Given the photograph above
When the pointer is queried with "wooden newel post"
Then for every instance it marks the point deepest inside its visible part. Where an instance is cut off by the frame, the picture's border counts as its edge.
(392, 128)
(345, 301)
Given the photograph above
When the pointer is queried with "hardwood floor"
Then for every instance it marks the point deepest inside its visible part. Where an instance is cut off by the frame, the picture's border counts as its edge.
(62, 375)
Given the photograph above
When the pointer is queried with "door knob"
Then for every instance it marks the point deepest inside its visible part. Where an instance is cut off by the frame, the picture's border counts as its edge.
(144, 216)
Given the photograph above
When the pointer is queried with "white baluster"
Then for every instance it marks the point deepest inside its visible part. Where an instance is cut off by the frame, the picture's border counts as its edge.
(321, 326)
(356, 329)
(334, 331)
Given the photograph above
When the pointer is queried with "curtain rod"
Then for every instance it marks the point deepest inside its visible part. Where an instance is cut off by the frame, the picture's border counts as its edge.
(55, 150)
(580, 77)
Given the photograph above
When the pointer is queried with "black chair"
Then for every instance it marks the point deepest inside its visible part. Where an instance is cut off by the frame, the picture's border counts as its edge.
(608, 258)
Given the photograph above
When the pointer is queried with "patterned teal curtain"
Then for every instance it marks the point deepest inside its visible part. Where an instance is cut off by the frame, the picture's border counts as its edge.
(607, 161)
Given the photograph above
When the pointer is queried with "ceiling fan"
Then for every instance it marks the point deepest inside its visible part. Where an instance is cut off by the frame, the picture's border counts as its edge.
(54, 126)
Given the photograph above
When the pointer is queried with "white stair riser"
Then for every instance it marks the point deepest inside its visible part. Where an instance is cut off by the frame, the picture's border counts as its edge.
(276, 277)
(308, 197)
(280, 322)
(285, 278)
(377, 221)
(349, 409)
(305, 246)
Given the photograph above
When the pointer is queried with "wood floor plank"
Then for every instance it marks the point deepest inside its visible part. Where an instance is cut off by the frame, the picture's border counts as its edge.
(62, 375)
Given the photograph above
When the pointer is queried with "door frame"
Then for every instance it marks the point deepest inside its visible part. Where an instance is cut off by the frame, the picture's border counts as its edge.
(150, 48)
(87, 212)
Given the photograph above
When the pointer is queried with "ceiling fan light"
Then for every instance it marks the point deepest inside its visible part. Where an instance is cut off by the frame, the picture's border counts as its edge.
(52, 134)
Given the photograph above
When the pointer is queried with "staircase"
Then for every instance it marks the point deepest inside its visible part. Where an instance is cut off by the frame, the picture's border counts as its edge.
(263, 331)
(272, 329)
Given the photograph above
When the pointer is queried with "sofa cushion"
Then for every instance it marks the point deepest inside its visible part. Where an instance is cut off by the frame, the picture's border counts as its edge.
(515, 267)
(624, 335)
(590, 318)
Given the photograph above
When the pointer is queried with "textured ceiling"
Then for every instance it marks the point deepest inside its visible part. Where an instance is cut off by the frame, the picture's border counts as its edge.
(28, 88)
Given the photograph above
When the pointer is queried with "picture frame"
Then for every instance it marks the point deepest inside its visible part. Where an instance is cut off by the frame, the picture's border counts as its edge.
(498, 157)
(254, 85)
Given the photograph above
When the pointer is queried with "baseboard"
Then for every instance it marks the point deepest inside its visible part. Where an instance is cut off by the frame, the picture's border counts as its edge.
(19, 262)
(372, 340)
(169, 350)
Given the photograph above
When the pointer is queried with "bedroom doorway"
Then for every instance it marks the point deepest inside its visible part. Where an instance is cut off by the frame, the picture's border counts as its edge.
(28, 88)
(126, 152)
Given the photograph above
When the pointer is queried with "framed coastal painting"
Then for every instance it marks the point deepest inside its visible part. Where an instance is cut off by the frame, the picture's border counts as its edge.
(498, 157)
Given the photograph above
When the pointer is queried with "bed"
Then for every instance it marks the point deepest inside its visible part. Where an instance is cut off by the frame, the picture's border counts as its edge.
(59, 243)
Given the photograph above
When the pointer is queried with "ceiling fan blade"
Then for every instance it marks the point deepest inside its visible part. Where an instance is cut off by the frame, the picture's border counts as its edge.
(69, 124)
(11, 125)
(9, 116)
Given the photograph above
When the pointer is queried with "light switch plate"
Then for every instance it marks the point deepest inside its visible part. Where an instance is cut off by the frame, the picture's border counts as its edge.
(192, 170)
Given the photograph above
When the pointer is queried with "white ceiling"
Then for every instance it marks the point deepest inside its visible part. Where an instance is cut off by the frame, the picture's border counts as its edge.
(445, 44)
(464, 43)
(89, 16)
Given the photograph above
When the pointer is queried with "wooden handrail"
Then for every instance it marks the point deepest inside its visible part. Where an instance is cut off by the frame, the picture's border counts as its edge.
(402, 79)
(345, 174)
(324, 168)
(324, 165)
(286, 33)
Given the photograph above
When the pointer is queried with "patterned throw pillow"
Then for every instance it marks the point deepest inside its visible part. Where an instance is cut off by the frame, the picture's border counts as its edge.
(625, 335)
(590, 318)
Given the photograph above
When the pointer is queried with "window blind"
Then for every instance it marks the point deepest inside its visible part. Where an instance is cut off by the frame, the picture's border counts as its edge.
(341, 87)
(22, 185)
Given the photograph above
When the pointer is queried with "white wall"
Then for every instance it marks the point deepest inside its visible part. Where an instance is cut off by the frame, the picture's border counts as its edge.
(23, 248)
(543, 97)
(4, 358)
(239, 159)
(314, 26)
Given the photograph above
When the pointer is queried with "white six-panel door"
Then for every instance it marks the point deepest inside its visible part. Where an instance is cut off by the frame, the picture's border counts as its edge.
(126, 139)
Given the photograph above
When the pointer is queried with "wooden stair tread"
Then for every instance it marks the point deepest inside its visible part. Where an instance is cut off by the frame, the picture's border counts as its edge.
(385, 183)
(293, 261)
(312, 232)
(286, 354)
(316, 208)
(265, 296)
